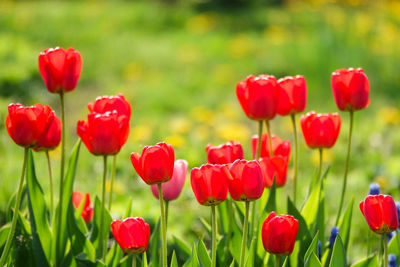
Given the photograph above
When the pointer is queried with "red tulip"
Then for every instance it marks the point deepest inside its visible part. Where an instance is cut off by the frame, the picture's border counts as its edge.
(209, 184)
(258, 96)
(156, 164)
(104, 134)
(173, 188)
(246, 180)
(292, 96)
(350, 89)
(60, 69)
(320, 130)
(279, 233)
(225, 153)
(275, 167)
(131, 234)
(28, 125)
(109, 103)
(52, 137)
(380, 213)
(87, 211)
(279, 146)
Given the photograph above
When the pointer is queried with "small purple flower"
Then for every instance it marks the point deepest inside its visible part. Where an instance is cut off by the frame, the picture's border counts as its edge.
(392, 261)
(374, 189)
(319, 250)
(332, 238)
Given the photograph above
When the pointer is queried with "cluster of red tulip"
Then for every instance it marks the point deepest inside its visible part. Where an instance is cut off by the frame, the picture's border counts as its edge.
(262, 98)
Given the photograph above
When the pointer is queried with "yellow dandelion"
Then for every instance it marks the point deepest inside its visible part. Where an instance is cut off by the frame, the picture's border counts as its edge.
(327, 157)
(382, 181)
(201, 133)
(223, 74)
(133, 71)
(240, 46)
(389, 115)
(202, 23)
(141, 133)
(276, 34)
(201, 114)
(180, 125)
(233, 131)
(176, 140)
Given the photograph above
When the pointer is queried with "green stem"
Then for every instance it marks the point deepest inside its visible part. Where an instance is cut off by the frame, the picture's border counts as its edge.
(103, 239)
(244, 238)
(163, 229)
(214, 238)
(58, 233)
(276, 261)
(260, 129)
(134, 259)
(295, 158)
(112, 182)
(230, 214)
(320, 165)
(346, 168)
(385, 250)
(166, 213)
(51, 186)
(271, 151)
(16, 211)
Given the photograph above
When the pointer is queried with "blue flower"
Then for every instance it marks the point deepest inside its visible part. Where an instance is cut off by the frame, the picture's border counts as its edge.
(332, 238)
(374, 189)
(392, 261)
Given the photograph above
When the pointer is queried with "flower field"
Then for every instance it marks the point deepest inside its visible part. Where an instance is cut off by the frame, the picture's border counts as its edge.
(159, 97)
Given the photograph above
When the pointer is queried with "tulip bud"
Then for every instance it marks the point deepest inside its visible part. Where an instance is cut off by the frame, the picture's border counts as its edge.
(279, 233)
(131, 234)
(225, 153)
(87, 211)
(173, 188)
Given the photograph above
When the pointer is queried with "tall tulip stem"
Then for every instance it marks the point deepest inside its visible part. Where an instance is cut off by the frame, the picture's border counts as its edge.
(134, 259)
(346, 168)
(321, 153)
(230, 214)
(51, 185)
(58, 233)
(114, 166)
(163, 229)
(296, 157)
(102, 239)
(214, 237)
(271, 151)
(16, 210)
(166, 214)
(244, 237)
(260, 129)
(385, 250)
(277, 261)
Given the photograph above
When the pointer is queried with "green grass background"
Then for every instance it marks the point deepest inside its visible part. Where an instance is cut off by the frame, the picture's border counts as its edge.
(178, 64)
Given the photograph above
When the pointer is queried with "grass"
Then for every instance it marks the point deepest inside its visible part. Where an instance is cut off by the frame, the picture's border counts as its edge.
(178, 66)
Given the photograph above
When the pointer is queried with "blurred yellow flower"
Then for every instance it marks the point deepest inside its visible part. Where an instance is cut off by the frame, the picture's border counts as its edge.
(389, 115)
(202, 114)
(188, 54)
(240, 46)
(363, 24)
(55, 153)
(180, 125)
(201, 133)
(230, 110)
(176, 140)
(276, 35)
(233, 131)
(382, 181)
(141, 133)
(327, 157)
(202, 23)
(133, 71)
(118, 187)
(223, 74)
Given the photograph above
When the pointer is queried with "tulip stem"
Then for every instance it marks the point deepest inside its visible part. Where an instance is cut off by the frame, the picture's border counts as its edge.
(51, 185)
(260, 129)
(385, 250)
(346, 168)
(271, 151)
(244, 238)
(321, 152)
(163, 228)
(276, 260)
(230, 214)
(58, 233)
(166, 214)
(103, 239)
(114, 166)
(16, 211)
(214, 238)
(295, 158)
(134, 259)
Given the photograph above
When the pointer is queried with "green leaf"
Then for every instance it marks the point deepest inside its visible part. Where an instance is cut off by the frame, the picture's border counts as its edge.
(38, 216)
(223, 210)
(206, 225)
(154, 246)
(202, 254)
(345, 224)
(371, 261)
(4, 230)
(182, 246)
(313, 248)
(94, 235)
(313, 261)
(394, 244)
(250, 254)
(174, 261)
(271, 203)
(194, 258)
(236, 240)
(338, 254)
(144, 255)
(67, 195)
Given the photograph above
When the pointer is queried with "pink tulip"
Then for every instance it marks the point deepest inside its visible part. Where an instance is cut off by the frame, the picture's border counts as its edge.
(173, 188)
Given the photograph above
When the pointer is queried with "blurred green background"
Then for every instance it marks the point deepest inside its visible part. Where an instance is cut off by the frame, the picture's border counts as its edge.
(178, 62)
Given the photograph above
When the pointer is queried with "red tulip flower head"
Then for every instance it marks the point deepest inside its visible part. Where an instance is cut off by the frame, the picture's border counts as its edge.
(380, 213)
(52, 137)
(60, 69)
(292, 96)
(225, 153)
(104, 104)
(279, 146)
(350, 89)
(104, 134)
(279, 233)
(29, 125)
(156, 163)
(320, 130)
(131, 234)
(246, 180)
(274, 168)
(209, 184)
(173, 188)
(87, 211)
(258, 96)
